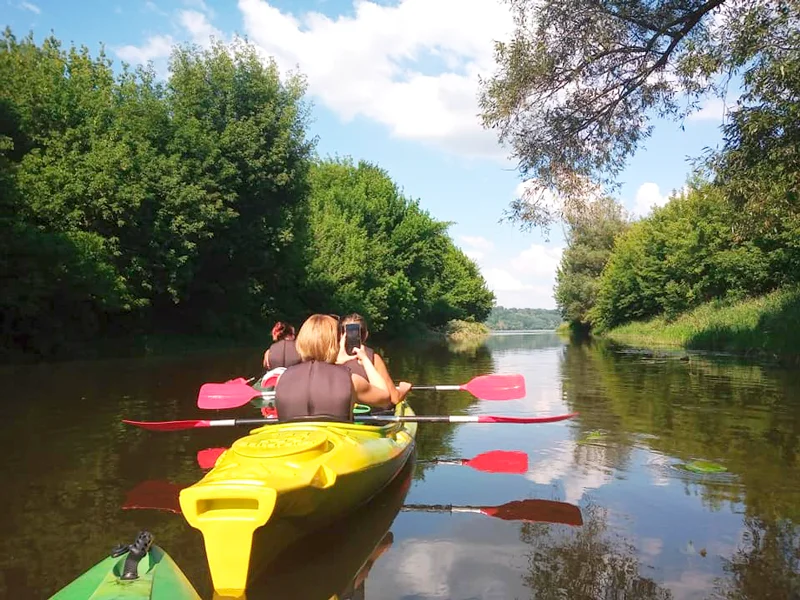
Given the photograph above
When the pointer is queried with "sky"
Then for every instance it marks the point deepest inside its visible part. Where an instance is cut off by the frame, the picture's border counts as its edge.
(394, 83)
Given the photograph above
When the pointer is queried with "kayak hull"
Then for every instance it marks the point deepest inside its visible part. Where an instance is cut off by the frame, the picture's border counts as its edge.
(159, 579)
(336, 558)
(293, 478)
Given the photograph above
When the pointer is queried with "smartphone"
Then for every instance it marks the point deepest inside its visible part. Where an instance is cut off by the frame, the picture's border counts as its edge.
(352, 337)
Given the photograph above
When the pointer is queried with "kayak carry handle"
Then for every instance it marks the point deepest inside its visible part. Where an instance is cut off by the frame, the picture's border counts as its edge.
(136, 552)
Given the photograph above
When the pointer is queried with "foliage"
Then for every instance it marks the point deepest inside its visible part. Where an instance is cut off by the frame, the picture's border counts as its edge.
(378, 253)
(516, 319)
(574, 108)
(690, 251)
(590, 238)
(763, 326)
(131, 205)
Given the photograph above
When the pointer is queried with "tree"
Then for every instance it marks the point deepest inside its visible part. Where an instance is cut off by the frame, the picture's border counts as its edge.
(374, 251)
(590, 239)
(574, 108)
(685, 253)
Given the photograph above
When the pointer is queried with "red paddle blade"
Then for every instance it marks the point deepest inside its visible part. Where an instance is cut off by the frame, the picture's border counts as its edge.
(225, 395)
(156, 495)
(169, 425)
(536, 511)
(496, 387)
(207, 458)
(500, 461)
(524, 420)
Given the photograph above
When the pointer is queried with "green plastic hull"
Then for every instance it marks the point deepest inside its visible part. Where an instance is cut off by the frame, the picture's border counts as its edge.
(159, 579)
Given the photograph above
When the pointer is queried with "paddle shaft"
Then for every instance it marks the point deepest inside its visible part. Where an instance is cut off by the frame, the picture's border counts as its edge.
(199, 423)
(439, 388)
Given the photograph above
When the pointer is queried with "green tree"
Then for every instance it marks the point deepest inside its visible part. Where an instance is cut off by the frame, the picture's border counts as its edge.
(574, 108)
(590, 238)
(374, 251)
(242, 155)
(510, 319)
(685, 253)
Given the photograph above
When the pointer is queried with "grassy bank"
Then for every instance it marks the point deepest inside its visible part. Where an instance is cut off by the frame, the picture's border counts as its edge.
(463, 331)
(767, 326)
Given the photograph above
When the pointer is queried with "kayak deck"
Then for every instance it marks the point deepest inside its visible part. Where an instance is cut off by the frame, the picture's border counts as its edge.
(301, 473)
(159, 578)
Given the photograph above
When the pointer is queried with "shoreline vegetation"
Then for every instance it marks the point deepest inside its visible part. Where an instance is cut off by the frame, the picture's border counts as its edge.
(139, 215)
(682, 271)
(765, 327)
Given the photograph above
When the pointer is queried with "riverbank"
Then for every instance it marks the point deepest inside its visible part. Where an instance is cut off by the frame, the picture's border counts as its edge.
(464, 331)
(765, 327)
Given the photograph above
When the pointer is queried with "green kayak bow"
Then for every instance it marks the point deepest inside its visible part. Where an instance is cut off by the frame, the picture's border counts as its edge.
(135, 571)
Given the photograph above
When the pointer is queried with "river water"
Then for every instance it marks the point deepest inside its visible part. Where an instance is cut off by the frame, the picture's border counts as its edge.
(655, 525)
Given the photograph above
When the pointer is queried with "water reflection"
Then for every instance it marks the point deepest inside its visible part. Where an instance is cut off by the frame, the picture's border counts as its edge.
(587, 563)
(652, 527)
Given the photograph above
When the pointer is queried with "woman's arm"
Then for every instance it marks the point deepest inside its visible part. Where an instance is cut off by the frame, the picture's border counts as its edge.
(266, 359)
(397, 394)
(372, 391)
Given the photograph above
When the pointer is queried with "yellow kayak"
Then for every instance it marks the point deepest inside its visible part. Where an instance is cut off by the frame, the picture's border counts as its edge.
(294, 476)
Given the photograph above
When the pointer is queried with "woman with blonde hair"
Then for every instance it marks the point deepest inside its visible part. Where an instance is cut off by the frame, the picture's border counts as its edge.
(318, 386)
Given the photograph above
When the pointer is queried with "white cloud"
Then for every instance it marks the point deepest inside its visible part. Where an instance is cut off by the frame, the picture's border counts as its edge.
(478, 242)
(153, 7)
(712, 109)
(577, 468)
(31, 7)
(538, 260)
(446, 569)
(155, 47)
(500, 280)
(371, 64)
(199, 28)
(647, 196)
(512, 292)
(528, 191)
(199, 5)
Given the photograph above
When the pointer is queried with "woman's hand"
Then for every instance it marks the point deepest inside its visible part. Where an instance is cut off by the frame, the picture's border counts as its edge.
(403, 388)
(361, 355)
(342, 357)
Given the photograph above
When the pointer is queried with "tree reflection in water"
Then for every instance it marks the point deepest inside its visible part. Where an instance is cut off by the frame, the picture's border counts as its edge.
(765, 566)
(585, 563)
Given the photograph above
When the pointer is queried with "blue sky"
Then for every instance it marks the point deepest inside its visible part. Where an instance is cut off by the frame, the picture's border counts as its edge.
(393, 82)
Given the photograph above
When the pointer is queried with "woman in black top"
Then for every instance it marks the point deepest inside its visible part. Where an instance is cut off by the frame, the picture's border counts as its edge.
(350, 361)
(282, 352)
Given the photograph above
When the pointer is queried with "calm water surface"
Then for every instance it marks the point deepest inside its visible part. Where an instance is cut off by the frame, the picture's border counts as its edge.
(652, 528)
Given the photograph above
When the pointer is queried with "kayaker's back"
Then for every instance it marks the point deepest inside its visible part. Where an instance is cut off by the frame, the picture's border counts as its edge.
(314, 388)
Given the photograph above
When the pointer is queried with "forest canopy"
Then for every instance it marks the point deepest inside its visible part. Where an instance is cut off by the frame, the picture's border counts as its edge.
(134, 205)
(517, 319)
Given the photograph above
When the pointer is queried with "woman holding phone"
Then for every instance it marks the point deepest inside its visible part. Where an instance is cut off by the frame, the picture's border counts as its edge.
(354, 334)
(319, 386)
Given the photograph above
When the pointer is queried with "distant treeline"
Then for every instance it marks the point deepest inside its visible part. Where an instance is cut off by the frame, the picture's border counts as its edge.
(507, 319)
(131, 205)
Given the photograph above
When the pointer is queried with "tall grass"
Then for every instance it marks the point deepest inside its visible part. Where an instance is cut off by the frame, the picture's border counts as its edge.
(765, 326)
(462, 331)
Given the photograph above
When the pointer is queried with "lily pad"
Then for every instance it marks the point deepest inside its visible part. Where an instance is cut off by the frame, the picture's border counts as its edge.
(592, 436)
(704, 466)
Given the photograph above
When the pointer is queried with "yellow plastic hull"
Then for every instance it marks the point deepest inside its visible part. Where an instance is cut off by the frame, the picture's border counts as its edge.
(294, 476)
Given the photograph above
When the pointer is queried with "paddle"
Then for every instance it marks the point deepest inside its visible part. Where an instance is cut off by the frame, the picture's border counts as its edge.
(163, 495)
(234, 394)
(201, 423)
(207, 458)
(496, 461)
(531, 511)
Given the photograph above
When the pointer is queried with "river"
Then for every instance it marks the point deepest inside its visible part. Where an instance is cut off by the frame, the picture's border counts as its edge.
(653, 524)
